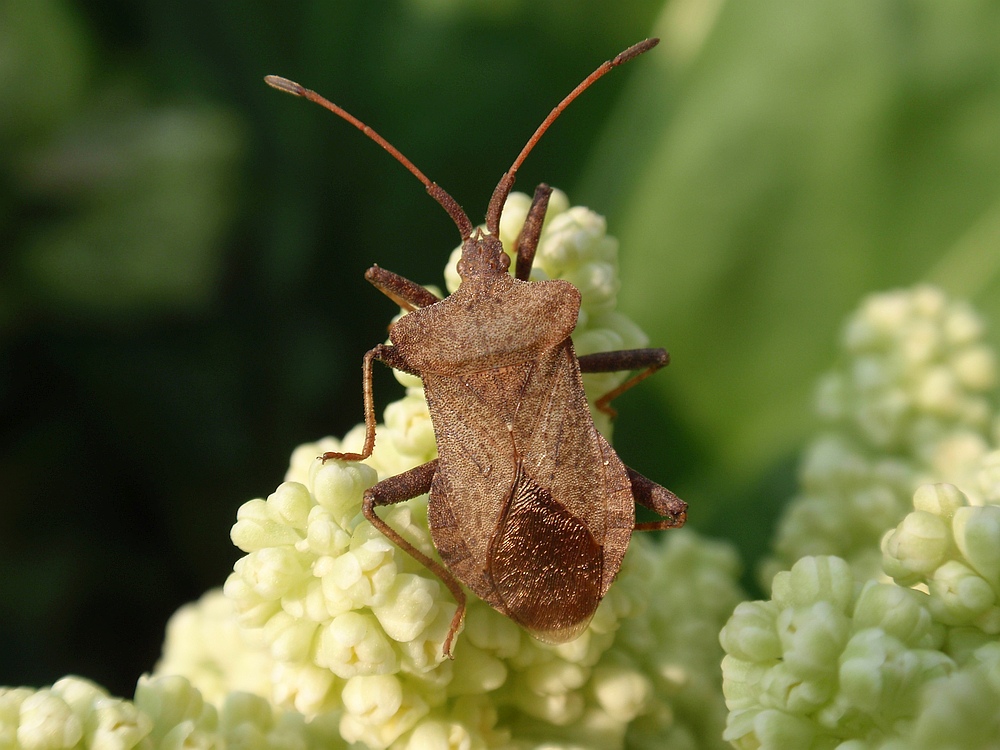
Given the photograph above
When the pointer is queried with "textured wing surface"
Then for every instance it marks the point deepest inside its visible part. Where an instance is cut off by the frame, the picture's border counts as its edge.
(530, 507)
(545, 563)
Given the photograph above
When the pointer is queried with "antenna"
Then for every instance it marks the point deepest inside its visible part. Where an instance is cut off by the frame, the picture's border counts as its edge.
(438, 193)
(506, 183)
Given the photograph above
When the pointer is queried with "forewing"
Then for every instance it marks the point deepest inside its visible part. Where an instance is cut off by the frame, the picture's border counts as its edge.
(476, 467)
(562, 450)
(545, 564)
(531, 508)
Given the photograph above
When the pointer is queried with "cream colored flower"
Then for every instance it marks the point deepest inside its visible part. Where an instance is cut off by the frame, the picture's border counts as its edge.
(908, 404)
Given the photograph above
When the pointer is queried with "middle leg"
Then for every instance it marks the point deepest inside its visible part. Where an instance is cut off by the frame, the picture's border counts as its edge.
(647, 361)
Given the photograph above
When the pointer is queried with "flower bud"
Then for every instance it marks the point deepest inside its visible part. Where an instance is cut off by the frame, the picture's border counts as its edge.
(916, 548)
(46, 722)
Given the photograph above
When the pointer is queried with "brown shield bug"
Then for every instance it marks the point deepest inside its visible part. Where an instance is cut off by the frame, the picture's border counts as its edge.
(529, 505)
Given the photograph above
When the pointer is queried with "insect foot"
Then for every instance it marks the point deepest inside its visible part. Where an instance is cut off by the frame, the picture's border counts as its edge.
(529, 506)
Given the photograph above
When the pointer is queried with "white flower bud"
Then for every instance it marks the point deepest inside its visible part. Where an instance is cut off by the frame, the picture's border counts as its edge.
(977, 535)
(959, 595)
(440, 735)
(899, 612)
(598, 284)
(290, 638)
(986, 478)
(878, 670)
(409, 424)
(916, 548)
(515, 211)
(976, 368)
(171, 701)
(813, 579)
(379, 710)
(480, 672)
(490, 631)
(324, 535)
(186, 736)
(256, 528)
(116, 725)
(338, 487)
(354, 644)
(939, 499)
(776, 729)
(751, 632)
(306, 687)
(408, 607)
(623, 693)
(270, 572)
(46, 722)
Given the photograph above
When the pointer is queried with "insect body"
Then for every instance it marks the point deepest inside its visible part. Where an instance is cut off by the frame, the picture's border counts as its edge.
(529, 506)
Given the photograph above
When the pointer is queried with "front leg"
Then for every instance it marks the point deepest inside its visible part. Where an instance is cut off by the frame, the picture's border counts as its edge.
(407, 294)
(386, 354)
(527, 240)
(397, 489)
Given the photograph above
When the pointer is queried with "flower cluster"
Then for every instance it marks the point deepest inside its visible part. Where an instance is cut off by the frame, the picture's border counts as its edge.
(354, 626)
(907, 405)
(205, 643)
(951, 549)
(833, 662)
(168, 713)
(645, 666)
(885, 633)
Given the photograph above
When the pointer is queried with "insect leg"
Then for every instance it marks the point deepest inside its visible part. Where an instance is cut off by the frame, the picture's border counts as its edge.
(397, 489)
(405, 293)
(388, 355)
(658, 499)
(650, 360)
(527, 240)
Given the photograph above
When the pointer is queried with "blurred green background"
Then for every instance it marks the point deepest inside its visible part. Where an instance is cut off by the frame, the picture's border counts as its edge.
(182, 248)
